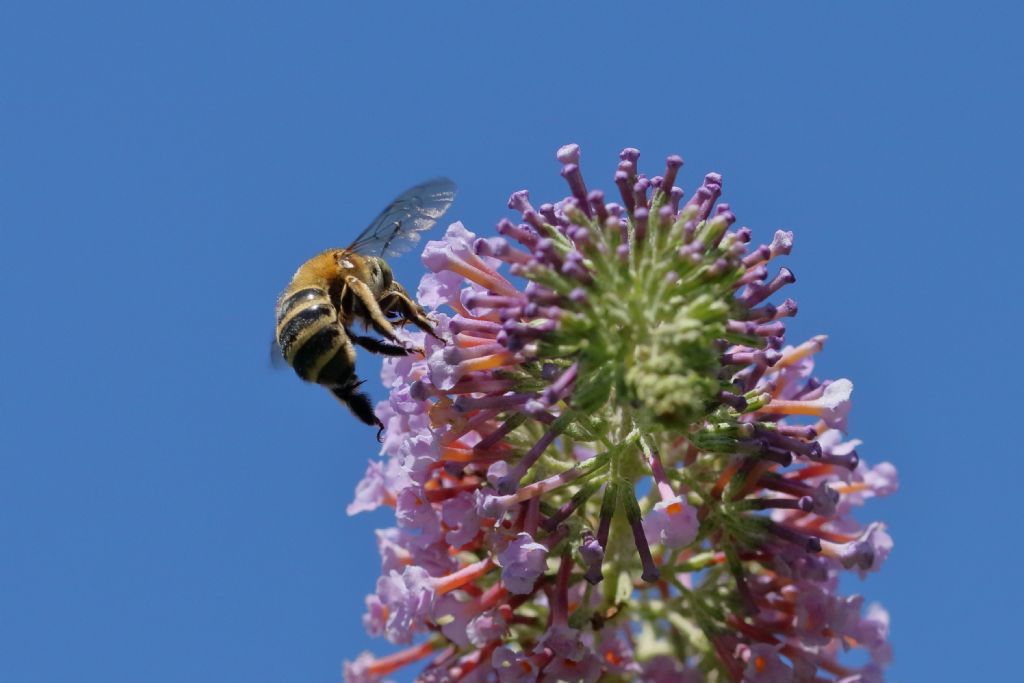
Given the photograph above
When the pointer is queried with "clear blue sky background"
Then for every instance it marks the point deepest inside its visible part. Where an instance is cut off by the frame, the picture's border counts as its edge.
(171, 510)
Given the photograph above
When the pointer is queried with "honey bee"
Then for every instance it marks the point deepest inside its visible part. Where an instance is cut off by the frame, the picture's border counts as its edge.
(336, 288)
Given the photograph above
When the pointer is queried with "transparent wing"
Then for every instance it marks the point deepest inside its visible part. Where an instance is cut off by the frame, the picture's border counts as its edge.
(398, 227)
(277, 360)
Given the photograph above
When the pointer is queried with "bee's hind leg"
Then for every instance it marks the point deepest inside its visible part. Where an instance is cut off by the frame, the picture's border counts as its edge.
(359, 403)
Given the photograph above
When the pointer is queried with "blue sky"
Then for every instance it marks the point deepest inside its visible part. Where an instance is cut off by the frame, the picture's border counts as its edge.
(172, 510)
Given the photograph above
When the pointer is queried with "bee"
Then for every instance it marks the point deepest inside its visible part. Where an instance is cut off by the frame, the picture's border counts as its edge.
(334, 289)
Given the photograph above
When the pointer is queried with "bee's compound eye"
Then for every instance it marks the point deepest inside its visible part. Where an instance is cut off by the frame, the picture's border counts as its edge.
(385, 271)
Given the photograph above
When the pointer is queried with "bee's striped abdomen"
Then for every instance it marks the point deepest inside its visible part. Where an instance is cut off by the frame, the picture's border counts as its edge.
(303, 297)
(308, 331)
(317, 351)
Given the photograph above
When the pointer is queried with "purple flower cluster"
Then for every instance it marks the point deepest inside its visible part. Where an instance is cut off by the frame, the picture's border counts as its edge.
(619, 471)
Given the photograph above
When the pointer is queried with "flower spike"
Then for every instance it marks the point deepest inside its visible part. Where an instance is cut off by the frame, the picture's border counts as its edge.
(619, 471)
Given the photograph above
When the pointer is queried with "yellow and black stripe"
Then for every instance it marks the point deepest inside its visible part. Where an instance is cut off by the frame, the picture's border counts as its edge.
(316, 345)
(308, 331)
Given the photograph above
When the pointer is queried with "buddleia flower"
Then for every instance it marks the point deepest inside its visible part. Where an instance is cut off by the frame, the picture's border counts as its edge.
(613, 466)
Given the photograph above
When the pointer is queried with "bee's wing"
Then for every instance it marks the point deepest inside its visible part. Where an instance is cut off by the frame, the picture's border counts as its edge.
(277, 360)
(398, 227)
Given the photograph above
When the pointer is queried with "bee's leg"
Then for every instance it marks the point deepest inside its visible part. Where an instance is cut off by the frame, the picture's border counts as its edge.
(378, 346)
(359, 403)
(338, 375)
(410, 312)
(376, 316)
